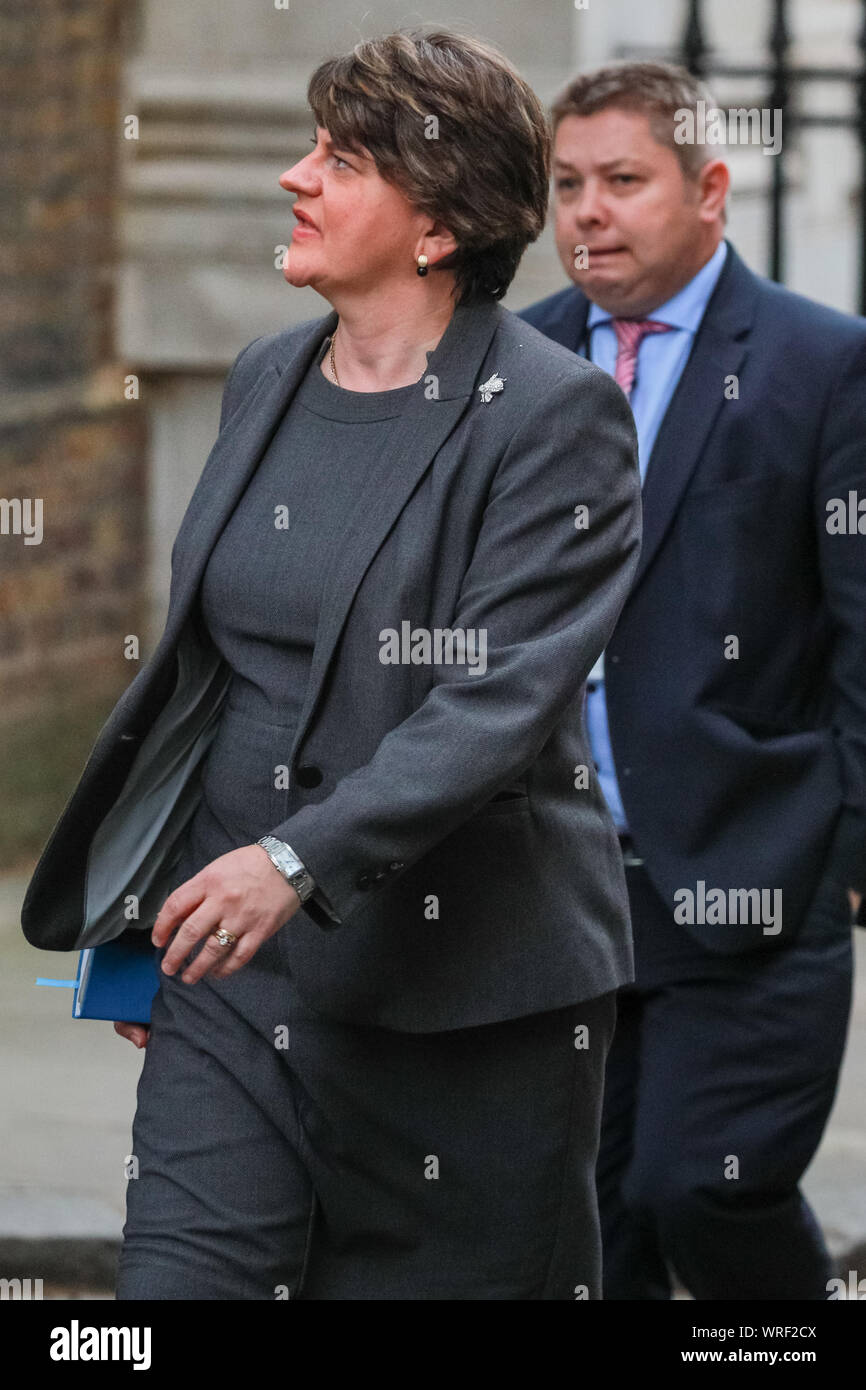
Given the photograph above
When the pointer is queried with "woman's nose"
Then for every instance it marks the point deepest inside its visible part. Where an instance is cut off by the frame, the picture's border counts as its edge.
(300, 178)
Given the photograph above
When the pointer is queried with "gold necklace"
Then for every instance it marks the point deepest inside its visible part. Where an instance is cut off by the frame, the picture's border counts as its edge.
(331, 357)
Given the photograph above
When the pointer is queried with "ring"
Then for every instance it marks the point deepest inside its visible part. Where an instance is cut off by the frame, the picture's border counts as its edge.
(225, 938)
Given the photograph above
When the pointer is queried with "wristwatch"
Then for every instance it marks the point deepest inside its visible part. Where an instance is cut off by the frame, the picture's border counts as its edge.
(283, 857)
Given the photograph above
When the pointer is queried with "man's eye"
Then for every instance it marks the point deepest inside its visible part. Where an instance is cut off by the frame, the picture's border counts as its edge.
(624, 178)
(565, 183)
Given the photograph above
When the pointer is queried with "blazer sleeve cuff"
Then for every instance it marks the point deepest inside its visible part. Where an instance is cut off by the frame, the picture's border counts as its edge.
(847, 852)
(319, 907)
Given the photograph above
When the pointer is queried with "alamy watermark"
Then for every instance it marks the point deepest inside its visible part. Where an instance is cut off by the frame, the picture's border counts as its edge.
(846, 516)
(439, 646)
(703, 906)
(854, 1289)
(739, 125)
(22, 516)
(20, 1290)
(77, 1343)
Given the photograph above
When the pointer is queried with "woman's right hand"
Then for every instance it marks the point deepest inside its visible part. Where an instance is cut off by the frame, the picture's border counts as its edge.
(136, 1032)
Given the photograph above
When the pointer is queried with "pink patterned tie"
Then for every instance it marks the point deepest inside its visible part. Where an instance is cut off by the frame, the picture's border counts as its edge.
(629, 336)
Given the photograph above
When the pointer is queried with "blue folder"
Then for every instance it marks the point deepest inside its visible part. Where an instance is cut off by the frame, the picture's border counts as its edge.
(117, 980)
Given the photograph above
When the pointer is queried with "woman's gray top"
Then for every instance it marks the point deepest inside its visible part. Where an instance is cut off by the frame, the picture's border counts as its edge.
(262, 586)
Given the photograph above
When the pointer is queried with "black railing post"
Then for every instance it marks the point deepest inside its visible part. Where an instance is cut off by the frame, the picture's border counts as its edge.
(784, 85)
(694, 45)
(779, 41)
(861, 133)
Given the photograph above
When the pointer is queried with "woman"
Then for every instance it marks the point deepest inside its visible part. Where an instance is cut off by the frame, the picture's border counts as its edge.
(375, 1061)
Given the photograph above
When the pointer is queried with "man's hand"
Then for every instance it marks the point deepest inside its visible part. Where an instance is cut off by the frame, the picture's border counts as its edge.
(855, 899)
(241, 891)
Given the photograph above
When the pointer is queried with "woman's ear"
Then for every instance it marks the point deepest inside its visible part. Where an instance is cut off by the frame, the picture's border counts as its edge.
(436, 244)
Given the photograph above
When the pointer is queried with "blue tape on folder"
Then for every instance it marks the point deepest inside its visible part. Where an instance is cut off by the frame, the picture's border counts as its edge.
(115, 981)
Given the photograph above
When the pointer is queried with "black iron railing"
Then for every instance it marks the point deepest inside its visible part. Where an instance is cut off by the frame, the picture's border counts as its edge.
(783, 86)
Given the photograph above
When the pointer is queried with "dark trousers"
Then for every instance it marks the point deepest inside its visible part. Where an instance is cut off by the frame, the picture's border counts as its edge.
(283, 1154)
(720, 1080)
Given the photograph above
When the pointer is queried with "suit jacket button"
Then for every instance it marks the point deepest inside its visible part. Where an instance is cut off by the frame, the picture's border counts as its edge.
(308, 776)
(363, 880)
(395, 866)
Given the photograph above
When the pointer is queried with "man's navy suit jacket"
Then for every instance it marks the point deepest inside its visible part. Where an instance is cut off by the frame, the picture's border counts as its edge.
(746, 770)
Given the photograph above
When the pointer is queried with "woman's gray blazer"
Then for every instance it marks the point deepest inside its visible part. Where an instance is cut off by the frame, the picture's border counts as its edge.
(467, 867)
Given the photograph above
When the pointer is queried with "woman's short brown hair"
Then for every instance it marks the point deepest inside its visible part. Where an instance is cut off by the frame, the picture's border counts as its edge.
(450, 123)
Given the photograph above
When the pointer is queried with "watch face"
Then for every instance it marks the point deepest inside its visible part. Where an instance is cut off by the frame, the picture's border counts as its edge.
(290, 862)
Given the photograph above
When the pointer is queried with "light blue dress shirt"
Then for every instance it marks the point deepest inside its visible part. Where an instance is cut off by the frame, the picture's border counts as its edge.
(660, 362)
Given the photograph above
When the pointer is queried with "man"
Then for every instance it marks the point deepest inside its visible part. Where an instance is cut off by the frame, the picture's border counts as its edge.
(728, 715)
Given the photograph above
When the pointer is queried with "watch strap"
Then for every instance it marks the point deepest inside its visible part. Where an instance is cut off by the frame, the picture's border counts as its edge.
(283, 857)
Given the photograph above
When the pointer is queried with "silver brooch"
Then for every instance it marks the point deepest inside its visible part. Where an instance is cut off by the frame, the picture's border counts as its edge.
(492, 387)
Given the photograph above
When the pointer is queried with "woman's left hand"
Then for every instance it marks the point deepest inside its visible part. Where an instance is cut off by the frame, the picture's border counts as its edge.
(241, 891)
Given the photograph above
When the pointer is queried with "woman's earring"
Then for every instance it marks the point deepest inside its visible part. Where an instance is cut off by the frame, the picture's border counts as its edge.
(422, 265)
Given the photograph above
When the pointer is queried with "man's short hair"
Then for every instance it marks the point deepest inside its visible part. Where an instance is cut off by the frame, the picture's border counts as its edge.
(659, 90)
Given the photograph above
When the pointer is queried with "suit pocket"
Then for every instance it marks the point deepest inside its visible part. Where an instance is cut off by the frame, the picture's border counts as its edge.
(504, 803)
(737, 492)
(762, 725)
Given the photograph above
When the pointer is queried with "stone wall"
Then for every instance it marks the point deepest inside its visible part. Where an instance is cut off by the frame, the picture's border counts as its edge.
(72, 448)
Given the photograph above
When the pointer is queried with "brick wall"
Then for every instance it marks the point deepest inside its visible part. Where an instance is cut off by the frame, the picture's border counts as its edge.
(69, 441)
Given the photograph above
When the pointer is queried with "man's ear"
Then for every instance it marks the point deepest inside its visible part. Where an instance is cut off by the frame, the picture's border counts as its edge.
(715, 180)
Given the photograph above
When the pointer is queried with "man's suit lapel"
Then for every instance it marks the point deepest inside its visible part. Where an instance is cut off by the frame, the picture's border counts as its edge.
(718, 352)
(443, 395)
(567, 323)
